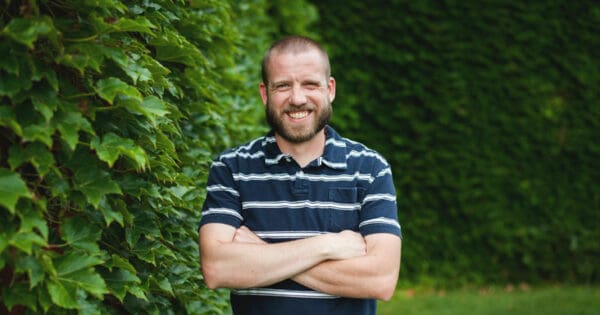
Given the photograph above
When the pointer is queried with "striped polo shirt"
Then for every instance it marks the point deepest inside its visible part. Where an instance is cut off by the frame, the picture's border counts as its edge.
(349, 187)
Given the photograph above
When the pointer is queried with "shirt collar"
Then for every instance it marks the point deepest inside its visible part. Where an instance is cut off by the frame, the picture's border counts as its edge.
(334, 155)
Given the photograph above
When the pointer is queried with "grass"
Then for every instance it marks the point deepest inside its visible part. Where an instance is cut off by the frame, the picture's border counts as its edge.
(521, 300)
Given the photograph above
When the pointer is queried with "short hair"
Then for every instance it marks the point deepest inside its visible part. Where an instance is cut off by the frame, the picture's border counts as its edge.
(293, 44)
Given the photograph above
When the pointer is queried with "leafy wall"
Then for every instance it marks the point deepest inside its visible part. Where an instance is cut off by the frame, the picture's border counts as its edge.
(489, 113)
(110, 113)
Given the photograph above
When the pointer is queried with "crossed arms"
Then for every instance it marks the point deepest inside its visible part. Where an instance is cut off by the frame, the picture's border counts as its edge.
(342, 264)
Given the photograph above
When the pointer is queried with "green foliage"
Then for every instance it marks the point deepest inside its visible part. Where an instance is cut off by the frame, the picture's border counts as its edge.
(489, 114)
(110, 114)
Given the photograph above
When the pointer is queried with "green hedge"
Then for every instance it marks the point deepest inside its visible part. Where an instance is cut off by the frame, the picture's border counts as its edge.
(110, 113)
(489, 113)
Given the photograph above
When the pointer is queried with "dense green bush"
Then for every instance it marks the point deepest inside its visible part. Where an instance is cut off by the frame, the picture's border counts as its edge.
(489, 113)
(110, 113)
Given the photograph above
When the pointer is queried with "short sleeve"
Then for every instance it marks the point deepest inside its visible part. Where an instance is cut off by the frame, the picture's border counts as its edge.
(379, 212)
(222, 204)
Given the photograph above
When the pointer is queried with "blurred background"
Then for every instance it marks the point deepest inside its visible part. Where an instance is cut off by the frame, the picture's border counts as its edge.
(489, 113)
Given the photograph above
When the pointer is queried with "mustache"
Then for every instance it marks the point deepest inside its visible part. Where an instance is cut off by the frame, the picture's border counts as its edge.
(305, 107)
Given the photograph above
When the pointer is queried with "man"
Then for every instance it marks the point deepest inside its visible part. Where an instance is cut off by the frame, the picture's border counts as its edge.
(300, 221)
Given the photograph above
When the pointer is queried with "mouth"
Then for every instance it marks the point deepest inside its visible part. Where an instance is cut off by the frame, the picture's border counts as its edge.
(298, 115)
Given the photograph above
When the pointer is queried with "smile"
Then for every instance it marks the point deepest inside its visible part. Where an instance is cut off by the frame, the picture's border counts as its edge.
(298, 115)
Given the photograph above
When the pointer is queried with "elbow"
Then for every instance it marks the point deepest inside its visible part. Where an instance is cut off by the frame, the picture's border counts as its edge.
(210, 275)
(385, 290)
(385, 294)
(215, 277)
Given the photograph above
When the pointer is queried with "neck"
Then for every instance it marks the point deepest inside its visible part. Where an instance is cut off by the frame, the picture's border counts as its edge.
(304, 152)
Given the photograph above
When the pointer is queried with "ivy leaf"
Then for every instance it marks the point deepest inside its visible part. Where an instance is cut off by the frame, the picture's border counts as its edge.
(112, 146)
(62, 296)
(35, 153)
(118, 261)
(11, 54)
(139, 24)
(174, 47)
(58, 185)
(69, 124)
(82, 56)
(25, 241)
(109, 213)
(119, 281)
(43, 298)
(93, 182)
(86, 279)
(12, 187)
(18, 294)
(81, 234)
(109, 89)
(154, 107)
(34, 269)
(42, 133)
(32, 219)
(164, 284)
(8, 120)
(133, 66)
(74, 262)
(12, 84)
(146, 250)
(27, 31)
(45, 102)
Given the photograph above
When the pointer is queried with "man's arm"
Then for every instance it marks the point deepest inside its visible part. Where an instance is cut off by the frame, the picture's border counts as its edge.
(373, 275)
(241, 264)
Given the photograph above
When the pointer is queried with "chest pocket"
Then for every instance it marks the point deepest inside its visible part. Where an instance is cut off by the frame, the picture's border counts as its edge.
(345, 212)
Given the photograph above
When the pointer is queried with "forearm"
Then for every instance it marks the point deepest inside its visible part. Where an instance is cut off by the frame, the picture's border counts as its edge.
(243, 265)
(371, 276)
(237, 258)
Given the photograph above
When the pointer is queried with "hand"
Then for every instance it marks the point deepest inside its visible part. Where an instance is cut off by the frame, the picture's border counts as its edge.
(347, 244)
(244, 235)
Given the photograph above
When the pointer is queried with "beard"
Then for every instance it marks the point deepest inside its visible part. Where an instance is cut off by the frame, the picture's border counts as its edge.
(298, 135)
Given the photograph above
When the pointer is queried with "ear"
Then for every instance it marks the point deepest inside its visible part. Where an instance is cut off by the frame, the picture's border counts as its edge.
(263, 92)
(331, 89)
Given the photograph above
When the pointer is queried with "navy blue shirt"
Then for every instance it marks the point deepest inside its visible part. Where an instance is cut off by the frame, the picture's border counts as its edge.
(349, 187)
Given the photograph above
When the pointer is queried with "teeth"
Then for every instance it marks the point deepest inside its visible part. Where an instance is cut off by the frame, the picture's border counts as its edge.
(298, 115)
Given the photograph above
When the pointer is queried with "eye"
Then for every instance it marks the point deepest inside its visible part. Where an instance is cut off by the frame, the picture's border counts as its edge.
(312, 85)
(281, 86)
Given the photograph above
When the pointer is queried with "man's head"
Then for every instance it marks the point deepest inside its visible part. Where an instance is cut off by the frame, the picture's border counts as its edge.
(293, 44)
(297, 88)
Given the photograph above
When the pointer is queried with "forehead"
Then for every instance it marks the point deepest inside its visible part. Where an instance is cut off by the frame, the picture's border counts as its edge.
(306, 63)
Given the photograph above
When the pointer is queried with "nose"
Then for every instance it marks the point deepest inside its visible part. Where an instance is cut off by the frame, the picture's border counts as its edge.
(298, 96)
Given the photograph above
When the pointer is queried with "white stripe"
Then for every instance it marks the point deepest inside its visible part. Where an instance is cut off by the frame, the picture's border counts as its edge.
(250, 145)
(265, 176)
(288, 234)
(333, 178)
(385, 171)
(217, 164)
(375, 197)
(336, 143)
(226, 211)
(366, 153)
(335, 165)
(284, 293)
(223, 188)
(244, 155)
(300, 204)
(380, 220)
(268, 140)
(276, 159)
(310, 177)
